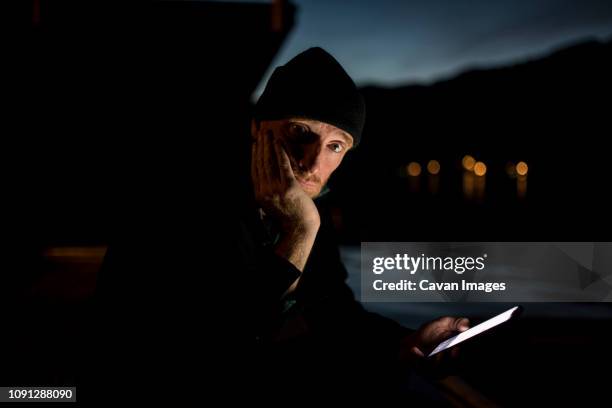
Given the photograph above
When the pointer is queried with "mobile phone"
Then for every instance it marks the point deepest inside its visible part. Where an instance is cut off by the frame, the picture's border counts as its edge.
(478, 329)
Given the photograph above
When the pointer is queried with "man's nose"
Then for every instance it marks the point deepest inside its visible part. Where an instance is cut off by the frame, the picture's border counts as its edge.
(311, 158)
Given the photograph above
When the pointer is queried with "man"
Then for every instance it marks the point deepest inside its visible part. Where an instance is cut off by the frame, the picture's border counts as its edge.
(307, 119)
(243, 288)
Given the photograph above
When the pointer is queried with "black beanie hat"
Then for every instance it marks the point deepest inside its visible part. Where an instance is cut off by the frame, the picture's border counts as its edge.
(313, 85)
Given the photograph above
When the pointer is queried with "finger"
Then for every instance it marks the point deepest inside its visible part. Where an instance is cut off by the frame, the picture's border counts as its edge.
(413, 355)
(259, 161)
(264, 173)
(275, 170)
(284, 163)
(279, 160)
(453, 324)
(286, 172)
(417, 352)
(254, 167)
(462, 324)
(267, 159)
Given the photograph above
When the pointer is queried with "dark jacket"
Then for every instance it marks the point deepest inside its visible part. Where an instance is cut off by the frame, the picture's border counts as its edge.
(199, 293)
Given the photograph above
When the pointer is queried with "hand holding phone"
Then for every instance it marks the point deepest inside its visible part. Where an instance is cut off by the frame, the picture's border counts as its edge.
(478, 329)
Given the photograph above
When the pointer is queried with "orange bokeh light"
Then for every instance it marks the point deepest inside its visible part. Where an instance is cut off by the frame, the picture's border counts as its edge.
(413, 169)
(468, 162)
(433, 167)
(480, 169)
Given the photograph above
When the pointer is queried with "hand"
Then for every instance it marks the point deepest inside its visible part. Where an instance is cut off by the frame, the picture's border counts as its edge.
(416, 346)
(281, 197)
(276, 188)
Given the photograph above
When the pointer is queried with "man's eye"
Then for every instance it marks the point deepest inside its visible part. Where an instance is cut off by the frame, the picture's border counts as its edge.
(336, 147)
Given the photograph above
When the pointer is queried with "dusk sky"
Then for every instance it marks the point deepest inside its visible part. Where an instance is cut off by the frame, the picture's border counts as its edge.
(390, 42)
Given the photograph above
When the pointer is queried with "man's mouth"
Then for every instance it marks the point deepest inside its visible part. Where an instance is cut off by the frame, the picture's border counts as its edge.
(306, 183)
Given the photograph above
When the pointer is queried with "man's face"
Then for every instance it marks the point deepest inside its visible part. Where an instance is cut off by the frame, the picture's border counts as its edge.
(315, 149)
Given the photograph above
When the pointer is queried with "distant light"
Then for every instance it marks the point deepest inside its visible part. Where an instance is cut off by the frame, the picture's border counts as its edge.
(511, 170)
(468, 162)
(480, 169)
(433, 167)
(522, 168)
(413, 169)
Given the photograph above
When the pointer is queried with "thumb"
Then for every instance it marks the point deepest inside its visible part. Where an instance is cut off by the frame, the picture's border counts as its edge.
(462, 324)
(417, 352)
